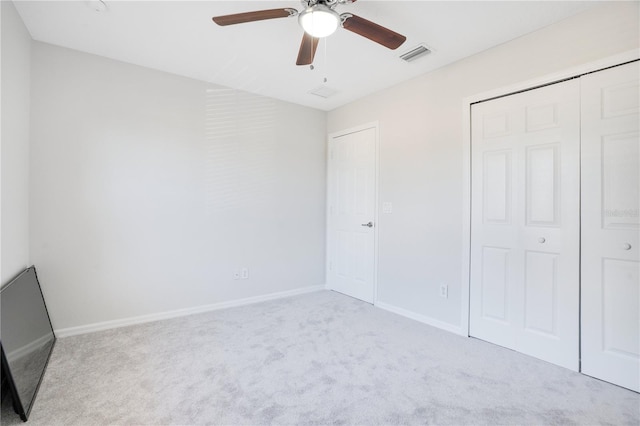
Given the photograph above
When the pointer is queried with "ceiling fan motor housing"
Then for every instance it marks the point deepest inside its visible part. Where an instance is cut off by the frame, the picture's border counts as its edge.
(329, 3)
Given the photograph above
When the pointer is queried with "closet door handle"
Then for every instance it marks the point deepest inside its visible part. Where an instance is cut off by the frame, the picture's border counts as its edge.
(369, 225)
(542, 240)
(626, 246)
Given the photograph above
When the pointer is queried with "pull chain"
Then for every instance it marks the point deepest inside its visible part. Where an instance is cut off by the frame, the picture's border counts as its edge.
(326, 64)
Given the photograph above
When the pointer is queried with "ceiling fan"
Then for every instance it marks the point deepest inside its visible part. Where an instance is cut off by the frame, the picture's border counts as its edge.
(319, 19)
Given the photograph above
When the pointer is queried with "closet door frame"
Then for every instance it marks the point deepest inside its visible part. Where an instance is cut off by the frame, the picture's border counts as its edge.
(570, 73)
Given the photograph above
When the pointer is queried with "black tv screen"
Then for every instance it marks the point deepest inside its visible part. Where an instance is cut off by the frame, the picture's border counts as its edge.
(26, 338)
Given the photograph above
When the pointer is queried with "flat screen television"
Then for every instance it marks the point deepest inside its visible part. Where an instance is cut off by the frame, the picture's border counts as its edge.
(26, 338)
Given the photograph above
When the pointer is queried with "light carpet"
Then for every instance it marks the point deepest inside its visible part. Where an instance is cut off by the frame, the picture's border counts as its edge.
(317, 359)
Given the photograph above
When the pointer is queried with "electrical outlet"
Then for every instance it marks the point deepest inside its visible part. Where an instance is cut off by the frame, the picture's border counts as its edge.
(236, 275)
(444, 290)
(244, 273)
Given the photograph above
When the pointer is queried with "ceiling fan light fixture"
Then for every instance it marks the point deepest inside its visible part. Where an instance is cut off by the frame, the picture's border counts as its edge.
(319, 21)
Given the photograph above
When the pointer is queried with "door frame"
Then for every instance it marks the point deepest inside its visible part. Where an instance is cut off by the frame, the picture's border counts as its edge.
(370, 125)
(570, 73)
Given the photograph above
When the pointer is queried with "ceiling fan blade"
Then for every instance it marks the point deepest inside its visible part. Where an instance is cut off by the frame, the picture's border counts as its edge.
(373, 31)
(258, 15)
(307, 50)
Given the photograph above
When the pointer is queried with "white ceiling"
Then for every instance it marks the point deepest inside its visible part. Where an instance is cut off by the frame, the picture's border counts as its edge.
(179, 37)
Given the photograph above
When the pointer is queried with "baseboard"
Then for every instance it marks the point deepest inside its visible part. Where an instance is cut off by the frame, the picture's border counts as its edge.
(421, 318)
(107, 325)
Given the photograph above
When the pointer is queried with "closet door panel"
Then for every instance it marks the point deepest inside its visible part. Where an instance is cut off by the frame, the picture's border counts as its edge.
(525, 229)
(551, 224)
(610, 212)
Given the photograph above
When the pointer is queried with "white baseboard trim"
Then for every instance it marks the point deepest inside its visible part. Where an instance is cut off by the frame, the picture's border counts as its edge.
(421, 318)
(124, 322)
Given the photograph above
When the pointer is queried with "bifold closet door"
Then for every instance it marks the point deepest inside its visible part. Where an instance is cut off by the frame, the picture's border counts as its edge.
(525, 226)
(611, 225)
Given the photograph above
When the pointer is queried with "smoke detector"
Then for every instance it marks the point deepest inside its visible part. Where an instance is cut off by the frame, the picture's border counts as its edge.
(97, 5)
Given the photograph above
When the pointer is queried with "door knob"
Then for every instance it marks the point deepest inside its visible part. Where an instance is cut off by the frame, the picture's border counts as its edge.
(626, 246)
(541, 240)
(369, 225)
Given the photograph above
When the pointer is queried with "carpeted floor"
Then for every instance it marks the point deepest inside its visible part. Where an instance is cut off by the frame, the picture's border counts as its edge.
(317, 359)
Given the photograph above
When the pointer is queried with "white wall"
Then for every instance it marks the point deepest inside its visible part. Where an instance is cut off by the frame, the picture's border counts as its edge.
(148, 190)
(14, 148)
(421, 159)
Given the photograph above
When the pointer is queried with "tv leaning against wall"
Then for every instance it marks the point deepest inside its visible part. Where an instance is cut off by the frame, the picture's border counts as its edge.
(26, 338)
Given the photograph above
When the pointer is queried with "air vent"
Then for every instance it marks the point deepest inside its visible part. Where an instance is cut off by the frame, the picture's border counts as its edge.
(323, 91)
(415, 53)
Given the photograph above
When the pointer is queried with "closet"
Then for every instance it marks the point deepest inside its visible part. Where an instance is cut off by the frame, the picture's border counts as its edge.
(555, 223)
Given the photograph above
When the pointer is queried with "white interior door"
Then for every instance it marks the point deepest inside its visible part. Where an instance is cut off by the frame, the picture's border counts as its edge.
(611, 226)
(351, 213)
(525, 208)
